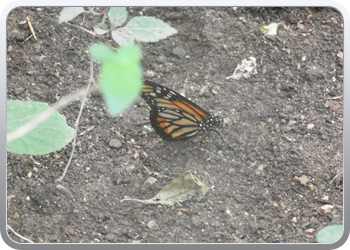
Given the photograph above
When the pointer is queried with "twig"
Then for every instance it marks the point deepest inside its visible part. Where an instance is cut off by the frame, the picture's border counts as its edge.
(212, 187)
(28, 38)
(31, 28)
(335, 177)
(323, 201)
(87, 130)
(307, 18)
(20, 236)
(334, 98)
(76, 124)
(88, 31)
(42, 117)
(330, 98)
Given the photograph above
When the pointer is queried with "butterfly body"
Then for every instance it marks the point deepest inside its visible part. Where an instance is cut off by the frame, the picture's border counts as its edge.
(173, 116)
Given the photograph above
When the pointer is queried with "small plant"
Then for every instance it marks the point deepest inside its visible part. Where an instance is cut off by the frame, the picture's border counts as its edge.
(34, 128)
(121, 75)
(144, 132)
(141, 28)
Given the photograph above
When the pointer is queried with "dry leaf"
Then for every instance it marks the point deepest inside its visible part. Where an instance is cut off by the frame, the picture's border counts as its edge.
(304, 180)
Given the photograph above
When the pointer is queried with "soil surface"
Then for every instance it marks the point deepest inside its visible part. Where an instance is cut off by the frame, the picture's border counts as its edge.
(284, 124)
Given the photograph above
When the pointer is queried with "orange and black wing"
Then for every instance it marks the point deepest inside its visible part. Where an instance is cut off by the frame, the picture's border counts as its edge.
(173, 116)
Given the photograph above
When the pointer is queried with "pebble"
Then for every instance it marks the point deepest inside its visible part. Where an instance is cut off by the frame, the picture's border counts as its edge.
(238, 198)
(110, 237)
(19, 91)
(29, 174)
(310, 230)
(68, 231)
(179, 52)
(150, 181)
(289, 73)
(310, 126)
(151, 224)
(20, 37)
(326, 209)
(290, 126)
(196, 220)
(115, 143)
(63, 190)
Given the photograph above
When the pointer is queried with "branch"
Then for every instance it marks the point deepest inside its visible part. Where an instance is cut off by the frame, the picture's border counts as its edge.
(20, 236)
(76, 124)
(78, 27)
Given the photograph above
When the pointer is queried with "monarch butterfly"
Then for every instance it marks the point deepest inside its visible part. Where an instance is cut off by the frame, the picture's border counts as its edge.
(173, 116)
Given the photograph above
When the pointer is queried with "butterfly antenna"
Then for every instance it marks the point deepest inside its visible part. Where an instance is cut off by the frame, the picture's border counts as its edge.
(228, 144)
(219, 135)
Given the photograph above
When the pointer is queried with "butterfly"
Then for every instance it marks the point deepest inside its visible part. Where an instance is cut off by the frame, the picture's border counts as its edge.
(174, 117)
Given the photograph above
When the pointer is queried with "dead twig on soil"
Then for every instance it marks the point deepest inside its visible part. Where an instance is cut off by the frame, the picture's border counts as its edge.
(330, 98)
(334, 98)
(76, 124)
(20, 236)
(335, 177)
(31, 28)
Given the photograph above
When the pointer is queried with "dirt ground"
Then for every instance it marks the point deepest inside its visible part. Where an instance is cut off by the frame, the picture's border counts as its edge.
(285, 124)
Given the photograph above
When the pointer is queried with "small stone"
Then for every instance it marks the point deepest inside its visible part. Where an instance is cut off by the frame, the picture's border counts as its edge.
(238, 198)
(150, 181)
(326, 209)
(151, 224)
(289, 73)
(310, 126)
(115, 143)
(179, 52)
(196, 220)
(69, 231)
(310, 230)
(110, 237)
(149, 74)
(20, 36)
(29, 174)
(19, 91)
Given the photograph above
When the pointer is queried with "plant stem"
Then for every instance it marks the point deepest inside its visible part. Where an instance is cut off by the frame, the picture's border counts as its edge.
(76, 124)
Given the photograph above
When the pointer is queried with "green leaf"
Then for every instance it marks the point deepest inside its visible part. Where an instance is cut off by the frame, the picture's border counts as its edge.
(123, 36)
(178, 190)
(100, 28)
(69, 13)
(149, 29)
(48, 137)
(117, 16)
(270, 29)
(329, 234)
(102, 53)
(121, 76)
